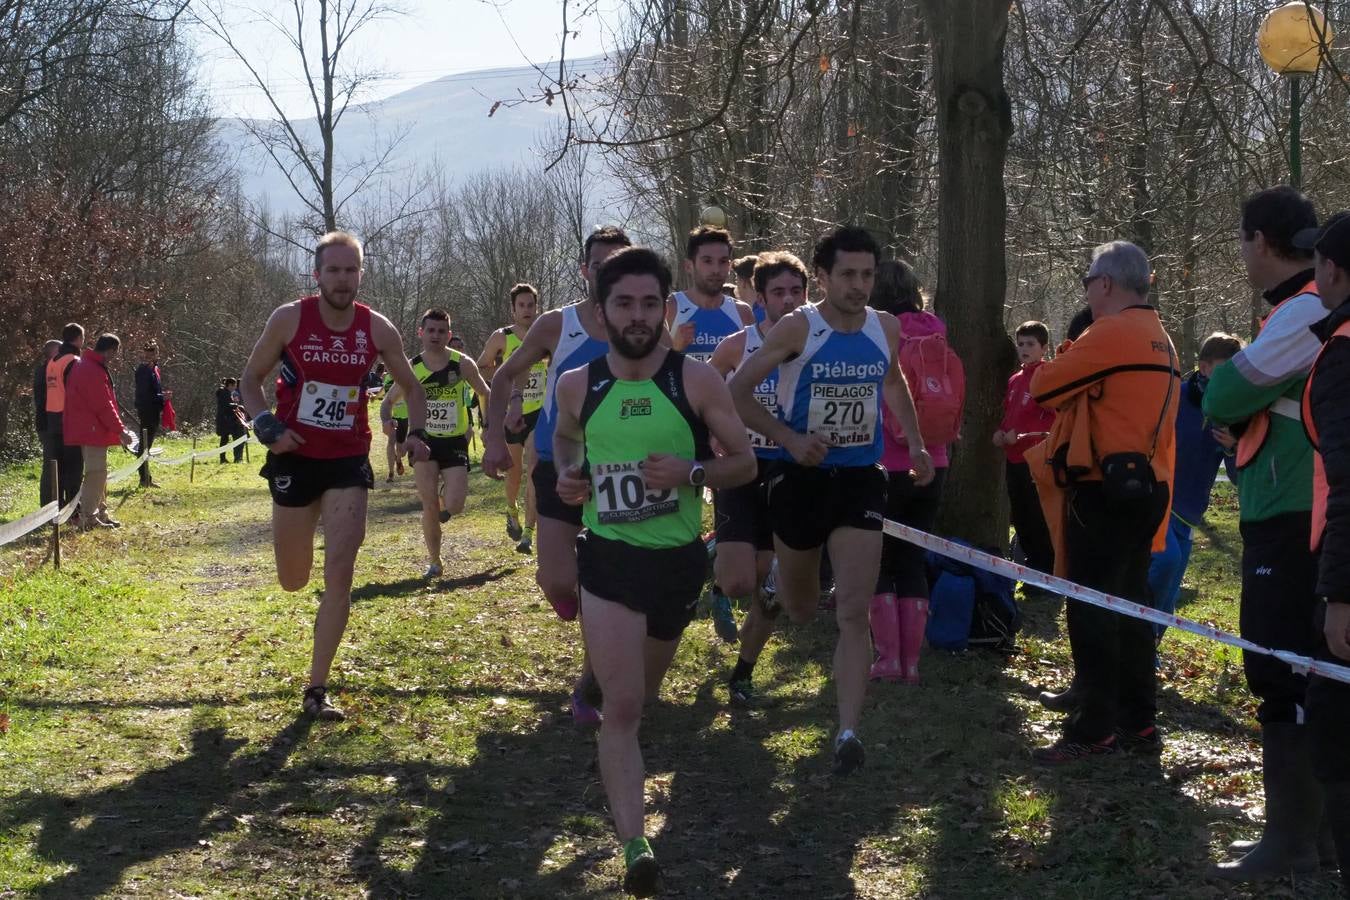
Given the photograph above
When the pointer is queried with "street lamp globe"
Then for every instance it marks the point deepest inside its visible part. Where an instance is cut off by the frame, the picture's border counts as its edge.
(715, 216)
(1293, 37)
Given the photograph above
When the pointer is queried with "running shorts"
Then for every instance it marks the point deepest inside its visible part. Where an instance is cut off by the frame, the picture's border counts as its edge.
(297, 481)
(449, 452)
(807, 503)
(741, 513)
(663, 585)
(519, 437)
(546, 499)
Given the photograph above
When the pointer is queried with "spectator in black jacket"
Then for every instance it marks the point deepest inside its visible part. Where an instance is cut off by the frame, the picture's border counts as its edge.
(1326, 416)
(50, 439)
(230, 416)
(149, 404)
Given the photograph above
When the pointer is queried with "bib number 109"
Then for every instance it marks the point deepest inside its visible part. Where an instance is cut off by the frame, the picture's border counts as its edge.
(622, 497)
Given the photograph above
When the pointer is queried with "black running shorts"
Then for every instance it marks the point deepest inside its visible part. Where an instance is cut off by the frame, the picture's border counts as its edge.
(449, 452)
(742, 513)
(519, 437)
(546, 499)
(807, 503)
(662, 585)
(297, 481)
(400, 430)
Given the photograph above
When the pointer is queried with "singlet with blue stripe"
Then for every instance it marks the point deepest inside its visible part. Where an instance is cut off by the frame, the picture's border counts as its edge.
(766, 392)
(575, 349)
(834, 388)
(711, 326)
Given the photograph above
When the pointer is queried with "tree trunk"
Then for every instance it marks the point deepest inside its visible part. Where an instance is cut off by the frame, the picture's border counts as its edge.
(974, 125)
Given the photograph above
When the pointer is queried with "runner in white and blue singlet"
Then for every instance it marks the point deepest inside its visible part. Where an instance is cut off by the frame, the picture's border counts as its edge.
(701, 317)
(836, 362)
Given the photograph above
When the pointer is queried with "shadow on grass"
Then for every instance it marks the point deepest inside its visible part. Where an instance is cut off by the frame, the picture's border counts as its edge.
(101, 835)
(235, 699)
(405, 586)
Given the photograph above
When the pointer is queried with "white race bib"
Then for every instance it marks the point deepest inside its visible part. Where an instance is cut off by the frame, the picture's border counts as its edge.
(622, 497)
(845, 415)
(534, 387)
(329, 406)
(769, 401)
(442, 415)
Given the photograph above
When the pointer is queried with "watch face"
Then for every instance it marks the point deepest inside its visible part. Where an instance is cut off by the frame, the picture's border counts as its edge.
(698, 475)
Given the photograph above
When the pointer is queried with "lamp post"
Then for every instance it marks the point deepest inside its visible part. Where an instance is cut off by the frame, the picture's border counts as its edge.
(1292, 39)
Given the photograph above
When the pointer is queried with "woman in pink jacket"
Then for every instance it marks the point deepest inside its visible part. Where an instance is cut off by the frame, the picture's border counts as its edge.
(93, 424)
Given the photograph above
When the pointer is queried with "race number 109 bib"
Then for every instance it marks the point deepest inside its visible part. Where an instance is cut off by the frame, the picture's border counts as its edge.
(328, 406)
(622, 497)
(845, 415)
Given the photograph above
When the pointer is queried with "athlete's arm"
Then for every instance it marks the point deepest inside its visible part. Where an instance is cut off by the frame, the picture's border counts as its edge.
(681, 337)
(475, 378)
(711, 402)
(390, 345)
(746, 311)
(569, 441)
(785, 340)
(728, 354)
(277, 333)
(538, 343)
(391, 399)
(493, 350)
(901, 401)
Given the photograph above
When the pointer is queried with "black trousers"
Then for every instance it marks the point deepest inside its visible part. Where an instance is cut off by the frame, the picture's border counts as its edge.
(1279, 584)
(1108, 544)
(69, 460)
(227, 433)
(51, 451)
(904, 571)
(149, 429)
(1028, 519)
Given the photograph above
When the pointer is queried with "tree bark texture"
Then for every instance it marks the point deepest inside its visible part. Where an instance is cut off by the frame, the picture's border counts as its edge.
(974, 125)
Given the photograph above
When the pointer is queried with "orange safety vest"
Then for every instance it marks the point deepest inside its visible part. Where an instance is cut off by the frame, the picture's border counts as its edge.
(1258, 426)
(56, 382)
(1320, 488)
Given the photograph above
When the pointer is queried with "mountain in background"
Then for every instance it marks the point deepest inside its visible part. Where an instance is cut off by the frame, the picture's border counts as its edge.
(443, 121)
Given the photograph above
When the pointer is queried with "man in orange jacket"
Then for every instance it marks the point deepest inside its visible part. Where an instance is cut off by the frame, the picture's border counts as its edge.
(1112, 451)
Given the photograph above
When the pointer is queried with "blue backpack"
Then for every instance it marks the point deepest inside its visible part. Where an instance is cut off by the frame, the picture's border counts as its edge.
(969, 607)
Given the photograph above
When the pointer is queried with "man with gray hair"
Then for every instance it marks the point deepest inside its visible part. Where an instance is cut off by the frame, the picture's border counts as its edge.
(1105, 479)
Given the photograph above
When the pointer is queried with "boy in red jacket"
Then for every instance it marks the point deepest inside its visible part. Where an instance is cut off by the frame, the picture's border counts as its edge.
(1025, 425)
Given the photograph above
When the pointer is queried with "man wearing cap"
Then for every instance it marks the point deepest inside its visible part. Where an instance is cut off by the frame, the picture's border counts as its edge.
(1327, 419)
(1257, 395)
(149, 403)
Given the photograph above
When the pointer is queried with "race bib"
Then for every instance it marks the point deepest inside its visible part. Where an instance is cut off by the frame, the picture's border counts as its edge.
(699, 355)
(442, 415)
(622, 497)
(845, 415)
(329, 406)
(758, 441)
(534, 387)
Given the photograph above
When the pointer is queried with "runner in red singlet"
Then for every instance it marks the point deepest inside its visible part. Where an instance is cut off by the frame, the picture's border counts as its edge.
(318, 441)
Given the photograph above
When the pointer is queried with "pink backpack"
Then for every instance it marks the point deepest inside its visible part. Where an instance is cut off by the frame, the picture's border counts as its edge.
(937, 380)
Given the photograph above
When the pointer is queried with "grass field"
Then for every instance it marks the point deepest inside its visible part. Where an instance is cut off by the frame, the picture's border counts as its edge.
(150, 743)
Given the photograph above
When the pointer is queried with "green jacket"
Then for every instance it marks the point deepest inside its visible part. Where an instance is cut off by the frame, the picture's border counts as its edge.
(1278, 479)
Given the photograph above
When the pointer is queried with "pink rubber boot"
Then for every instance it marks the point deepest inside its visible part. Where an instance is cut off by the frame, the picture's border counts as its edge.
(912, 616)
(885, 637)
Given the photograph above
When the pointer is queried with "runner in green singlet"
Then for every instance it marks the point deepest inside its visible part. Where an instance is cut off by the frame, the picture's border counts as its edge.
(632, 447)
(500, 346)
(395, 428)
(446, 375)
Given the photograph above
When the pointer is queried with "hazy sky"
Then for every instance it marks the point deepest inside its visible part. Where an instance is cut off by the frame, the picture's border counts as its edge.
(430, 39)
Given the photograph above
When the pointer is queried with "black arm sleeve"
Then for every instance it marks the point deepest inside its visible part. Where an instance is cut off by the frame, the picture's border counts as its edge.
(1331, 414)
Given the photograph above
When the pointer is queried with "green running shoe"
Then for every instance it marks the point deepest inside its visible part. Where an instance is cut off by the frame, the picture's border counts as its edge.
(641, 871)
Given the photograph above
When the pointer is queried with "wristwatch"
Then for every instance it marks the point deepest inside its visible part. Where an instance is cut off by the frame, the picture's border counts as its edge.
(698, 475)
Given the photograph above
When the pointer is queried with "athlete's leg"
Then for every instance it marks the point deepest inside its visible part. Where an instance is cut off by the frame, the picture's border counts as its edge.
(531, 512)
(557, 572)
(619, 635)
(427, 475)
(734, 568)
(758, 626)
(293, 543)
(455, 489)
(856, 554)
(798, 581)
(391, 454)
(657, 657)
(513, 479)
(343, 512)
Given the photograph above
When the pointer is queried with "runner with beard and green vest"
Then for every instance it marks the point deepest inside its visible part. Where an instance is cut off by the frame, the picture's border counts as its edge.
(443, 480)
(632, 448)
(500, 346)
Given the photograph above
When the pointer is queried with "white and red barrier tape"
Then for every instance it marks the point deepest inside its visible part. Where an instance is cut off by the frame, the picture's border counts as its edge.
(1009, 569)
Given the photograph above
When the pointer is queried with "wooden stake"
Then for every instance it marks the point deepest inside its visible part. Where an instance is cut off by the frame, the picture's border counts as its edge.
(54, 476)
